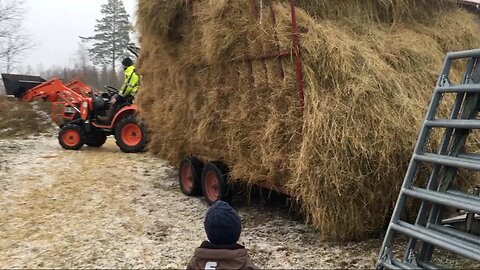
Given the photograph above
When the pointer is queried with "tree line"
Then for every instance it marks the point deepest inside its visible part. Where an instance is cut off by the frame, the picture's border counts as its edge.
(108, 46)
(14, 42)
(97, 60)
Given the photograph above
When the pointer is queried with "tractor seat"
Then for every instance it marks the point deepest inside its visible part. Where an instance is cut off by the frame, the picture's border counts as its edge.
(100, 104)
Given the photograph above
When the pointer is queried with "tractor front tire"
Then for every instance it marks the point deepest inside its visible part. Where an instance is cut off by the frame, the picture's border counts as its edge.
(130, 135)
(71, 137)
(95, 139)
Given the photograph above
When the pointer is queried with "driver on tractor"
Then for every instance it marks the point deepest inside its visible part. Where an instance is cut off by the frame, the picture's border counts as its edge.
(126, 93)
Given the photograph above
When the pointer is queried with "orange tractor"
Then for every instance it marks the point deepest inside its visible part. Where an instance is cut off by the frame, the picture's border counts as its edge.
(76, 108)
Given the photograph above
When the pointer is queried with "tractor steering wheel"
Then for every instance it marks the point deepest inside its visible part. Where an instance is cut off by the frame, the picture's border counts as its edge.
(111, 90)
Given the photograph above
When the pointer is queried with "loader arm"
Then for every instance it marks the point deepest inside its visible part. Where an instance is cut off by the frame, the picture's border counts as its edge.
(56, 92)
(52, 91)
(80, 88)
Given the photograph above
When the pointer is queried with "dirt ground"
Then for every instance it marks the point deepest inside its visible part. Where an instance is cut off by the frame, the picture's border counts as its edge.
(101, 208)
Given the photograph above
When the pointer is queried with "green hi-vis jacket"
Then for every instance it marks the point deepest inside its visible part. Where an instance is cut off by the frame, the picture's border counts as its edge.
(130, 87)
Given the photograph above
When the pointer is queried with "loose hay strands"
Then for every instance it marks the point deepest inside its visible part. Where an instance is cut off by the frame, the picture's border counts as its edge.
(367, 87)
(387, 11)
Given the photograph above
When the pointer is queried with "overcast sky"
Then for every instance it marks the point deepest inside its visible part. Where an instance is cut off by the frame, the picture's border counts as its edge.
(55, 25)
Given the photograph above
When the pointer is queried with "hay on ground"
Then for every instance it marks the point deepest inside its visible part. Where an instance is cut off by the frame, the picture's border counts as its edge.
(19, 119)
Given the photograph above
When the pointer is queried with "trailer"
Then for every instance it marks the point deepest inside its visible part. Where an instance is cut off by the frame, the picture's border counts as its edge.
(201, 174)
(470, 5)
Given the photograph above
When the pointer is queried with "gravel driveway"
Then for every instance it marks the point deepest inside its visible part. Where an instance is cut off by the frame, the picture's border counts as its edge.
(101, 208)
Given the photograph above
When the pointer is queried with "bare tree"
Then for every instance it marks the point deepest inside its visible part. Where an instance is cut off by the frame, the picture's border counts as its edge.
(14, 50)
(10, 14)
(81, 58)
(14, 44)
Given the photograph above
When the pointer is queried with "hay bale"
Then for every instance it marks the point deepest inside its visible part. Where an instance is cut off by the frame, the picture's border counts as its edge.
(20, 119)
(367, 86)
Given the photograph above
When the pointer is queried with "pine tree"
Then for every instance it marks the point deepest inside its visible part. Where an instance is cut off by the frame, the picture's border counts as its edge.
(112, 35)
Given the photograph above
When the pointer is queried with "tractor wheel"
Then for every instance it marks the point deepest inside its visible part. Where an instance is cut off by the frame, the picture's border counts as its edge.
(189, 173)
(215, 182)
(71, 137)
(130, 135)
(95, 139)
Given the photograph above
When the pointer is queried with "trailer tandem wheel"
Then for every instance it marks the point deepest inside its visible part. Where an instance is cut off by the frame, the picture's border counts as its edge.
(215, 182)
(189, 174)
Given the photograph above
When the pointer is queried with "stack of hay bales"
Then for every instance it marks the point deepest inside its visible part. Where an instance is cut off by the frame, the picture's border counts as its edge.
(369, 70)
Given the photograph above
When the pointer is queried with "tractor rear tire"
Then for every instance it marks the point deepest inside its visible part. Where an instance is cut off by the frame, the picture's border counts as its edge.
(71, 137)
(95, 139)
(215, 183)
(130, 135)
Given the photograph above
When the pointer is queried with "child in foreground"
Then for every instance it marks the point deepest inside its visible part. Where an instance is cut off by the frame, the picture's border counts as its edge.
(223, 227)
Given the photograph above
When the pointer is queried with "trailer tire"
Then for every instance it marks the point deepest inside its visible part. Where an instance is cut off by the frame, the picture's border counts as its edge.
(189, 173)
(95, 139)
(130, 135)
(71, 137)
(215, 182)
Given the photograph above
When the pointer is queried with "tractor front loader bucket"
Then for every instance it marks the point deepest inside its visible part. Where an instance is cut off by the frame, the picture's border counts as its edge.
(17, 85)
